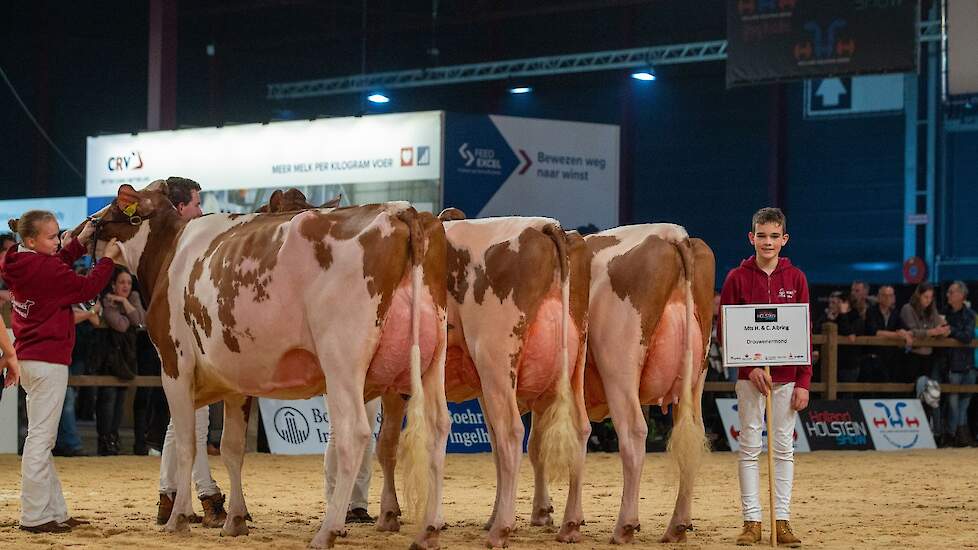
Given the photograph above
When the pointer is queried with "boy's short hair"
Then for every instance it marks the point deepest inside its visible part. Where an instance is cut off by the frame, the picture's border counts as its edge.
(769, 215)
(180, 190)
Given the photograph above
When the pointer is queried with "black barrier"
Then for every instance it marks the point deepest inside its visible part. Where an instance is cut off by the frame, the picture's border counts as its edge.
(781, 40)
(836, 425)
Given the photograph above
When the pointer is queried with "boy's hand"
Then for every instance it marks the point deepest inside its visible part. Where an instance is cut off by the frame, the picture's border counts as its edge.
(761, 380)
(799, 399)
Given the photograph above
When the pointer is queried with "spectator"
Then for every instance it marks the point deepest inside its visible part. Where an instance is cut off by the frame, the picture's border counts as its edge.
(921, 318)
(961, 363)
(859, 298)
(123, 313)
(7, 240)
(849, 323)
(885, 363)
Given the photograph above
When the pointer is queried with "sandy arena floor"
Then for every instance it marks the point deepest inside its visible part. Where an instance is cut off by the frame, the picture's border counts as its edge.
(842, 500)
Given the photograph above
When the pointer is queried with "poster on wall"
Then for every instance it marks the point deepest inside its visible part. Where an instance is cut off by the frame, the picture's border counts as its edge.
(299, 427)
(784, 40)
(836, 426)
(897, 424)
(505, 166)
(348, 150)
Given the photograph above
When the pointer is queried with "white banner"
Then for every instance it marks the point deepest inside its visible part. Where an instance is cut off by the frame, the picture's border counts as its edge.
(376, 148)
(297, 427)
(70, 211)
(731, 427)
(568, 171)
(766, 334)
(897, 424)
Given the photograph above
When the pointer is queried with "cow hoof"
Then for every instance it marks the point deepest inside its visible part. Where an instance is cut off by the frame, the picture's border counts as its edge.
(570, 532)
(428, 540)
(178, 525)
(541, 517)
(499, 538)
(676, 533)
(625, 534)
(388, 521)
(326, 539)
(235, 527)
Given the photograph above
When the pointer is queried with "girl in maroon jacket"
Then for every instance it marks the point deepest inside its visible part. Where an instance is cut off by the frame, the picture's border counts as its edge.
(43, 287)
(766, 278)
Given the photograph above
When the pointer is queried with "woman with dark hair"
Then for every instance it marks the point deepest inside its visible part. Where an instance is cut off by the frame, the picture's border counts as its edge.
(123, 314)
(921, 318)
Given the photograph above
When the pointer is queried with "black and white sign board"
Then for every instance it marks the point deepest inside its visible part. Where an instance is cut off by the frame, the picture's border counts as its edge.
(755, 335)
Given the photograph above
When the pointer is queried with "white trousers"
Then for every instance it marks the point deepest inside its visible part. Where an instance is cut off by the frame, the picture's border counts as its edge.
(41, 499)
(201, 473)
(750, 408)
(362, 486)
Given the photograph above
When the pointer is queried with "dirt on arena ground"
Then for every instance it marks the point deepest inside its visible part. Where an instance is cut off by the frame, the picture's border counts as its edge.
(918, 499)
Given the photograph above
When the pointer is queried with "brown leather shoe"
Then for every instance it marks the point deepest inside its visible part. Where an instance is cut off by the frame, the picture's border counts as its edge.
(72, 522)
(785, 536)
(49, 527)
(751, 534)
(165, 508)
(214, 514)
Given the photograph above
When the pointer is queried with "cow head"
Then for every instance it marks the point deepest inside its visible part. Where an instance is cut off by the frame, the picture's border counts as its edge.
(128, 219)
(293, 200)
(451, 214)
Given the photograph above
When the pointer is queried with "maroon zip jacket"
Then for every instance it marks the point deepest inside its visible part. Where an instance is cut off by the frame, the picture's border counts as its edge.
(43, 288)
(748, 284)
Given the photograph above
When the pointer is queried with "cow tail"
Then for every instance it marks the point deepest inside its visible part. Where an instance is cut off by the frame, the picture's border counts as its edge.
(415, 448)
(687, 443)
(560, 446)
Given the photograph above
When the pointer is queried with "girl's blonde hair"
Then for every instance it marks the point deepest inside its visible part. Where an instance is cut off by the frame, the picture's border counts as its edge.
(27, 225)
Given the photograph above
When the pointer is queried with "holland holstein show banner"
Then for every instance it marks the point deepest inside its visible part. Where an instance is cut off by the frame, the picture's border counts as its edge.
(782, 40)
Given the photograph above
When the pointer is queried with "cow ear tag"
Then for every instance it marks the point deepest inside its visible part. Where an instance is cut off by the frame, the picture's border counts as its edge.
(130, 209)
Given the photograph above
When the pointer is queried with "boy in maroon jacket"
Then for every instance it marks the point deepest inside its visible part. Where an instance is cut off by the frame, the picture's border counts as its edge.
(766, 278)
(43, 288)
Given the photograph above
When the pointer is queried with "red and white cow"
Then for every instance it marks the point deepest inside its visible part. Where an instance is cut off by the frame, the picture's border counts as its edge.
(650, 315)
(517, 327)
(349, 302)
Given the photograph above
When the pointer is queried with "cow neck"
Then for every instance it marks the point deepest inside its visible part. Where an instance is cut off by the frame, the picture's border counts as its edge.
(155, 258)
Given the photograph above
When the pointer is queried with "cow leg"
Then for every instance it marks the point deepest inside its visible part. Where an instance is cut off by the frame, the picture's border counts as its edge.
(179, 394)
(570, 526)
(236, 410)
(626, 412)
(495, 463)
(682, 514)
(542, 507)
(351, 432)
(502, 412)
(436, 413)
(390, 433)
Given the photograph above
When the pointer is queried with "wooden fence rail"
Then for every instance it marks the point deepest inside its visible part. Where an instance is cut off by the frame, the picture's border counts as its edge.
(829, 386)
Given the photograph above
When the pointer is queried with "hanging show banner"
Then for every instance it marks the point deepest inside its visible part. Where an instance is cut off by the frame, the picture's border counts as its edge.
(782, 40)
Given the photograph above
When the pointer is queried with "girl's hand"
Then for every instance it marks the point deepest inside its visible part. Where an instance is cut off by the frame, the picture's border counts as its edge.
(13, 370)
(86, 233)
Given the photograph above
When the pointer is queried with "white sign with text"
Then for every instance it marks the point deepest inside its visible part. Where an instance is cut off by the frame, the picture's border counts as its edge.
(299, 427)
(347, 150)
(755, 335)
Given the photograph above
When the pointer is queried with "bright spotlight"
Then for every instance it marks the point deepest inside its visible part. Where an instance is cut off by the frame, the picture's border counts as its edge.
(378, 98)
(645, 76)
(520, 90)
